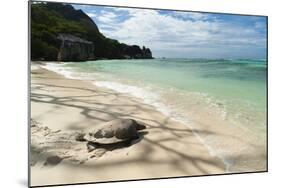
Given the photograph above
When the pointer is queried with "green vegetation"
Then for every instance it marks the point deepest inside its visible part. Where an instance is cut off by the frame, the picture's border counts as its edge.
(50, 19)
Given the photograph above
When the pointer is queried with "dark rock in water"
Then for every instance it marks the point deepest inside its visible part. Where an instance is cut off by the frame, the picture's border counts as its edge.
(75, 49)
(135, 52)
(146, 53)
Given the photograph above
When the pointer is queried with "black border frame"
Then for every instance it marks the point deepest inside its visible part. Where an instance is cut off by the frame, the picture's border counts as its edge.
(129, 180)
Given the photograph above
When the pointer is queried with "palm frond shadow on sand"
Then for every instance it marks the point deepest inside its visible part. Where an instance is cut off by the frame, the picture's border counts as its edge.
(93, 107)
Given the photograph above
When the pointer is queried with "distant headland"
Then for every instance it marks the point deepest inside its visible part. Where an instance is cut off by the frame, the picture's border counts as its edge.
(61, 33)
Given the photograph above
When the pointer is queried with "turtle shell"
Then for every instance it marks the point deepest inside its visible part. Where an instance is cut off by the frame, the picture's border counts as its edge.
(115, 131)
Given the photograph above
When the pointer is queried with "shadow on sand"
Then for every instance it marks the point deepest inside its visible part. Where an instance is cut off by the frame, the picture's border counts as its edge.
(113, 111)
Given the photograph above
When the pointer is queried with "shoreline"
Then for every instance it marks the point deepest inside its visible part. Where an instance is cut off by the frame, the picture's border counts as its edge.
(143, 101)
(179, 149)
(240, 148)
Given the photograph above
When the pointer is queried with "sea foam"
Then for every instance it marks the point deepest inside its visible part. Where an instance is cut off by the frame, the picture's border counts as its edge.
(154, 100)
(58, 68)
(165, 100)
(149, 98)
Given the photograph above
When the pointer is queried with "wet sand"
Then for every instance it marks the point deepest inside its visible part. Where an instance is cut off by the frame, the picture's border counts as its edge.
(61, 107)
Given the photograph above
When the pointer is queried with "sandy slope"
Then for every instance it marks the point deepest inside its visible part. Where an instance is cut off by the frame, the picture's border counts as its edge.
(61, 107)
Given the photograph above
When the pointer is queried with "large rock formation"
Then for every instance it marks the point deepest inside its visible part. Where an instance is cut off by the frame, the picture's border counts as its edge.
(73, 48)
(135, 52)
(61, 33)
(146, 53)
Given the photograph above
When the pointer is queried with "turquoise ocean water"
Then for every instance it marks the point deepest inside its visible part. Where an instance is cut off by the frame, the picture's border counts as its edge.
(230, 95)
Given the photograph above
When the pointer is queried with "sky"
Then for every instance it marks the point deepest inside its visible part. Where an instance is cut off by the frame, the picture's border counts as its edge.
(178, 34)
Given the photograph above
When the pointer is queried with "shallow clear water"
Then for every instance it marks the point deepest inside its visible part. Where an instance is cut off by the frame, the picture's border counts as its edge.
(233, 91)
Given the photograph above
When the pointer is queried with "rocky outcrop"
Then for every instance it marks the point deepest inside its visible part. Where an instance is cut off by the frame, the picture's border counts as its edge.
(146, 53)
(135, 52)
(73, 48)
(59, 32)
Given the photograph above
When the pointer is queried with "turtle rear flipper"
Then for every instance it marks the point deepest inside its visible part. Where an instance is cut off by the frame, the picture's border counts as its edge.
(80, 137)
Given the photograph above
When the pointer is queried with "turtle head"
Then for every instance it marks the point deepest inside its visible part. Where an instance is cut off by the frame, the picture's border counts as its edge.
(139, 126)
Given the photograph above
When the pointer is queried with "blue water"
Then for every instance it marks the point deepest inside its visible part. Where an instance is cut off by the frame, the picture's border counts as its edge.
(189, 90)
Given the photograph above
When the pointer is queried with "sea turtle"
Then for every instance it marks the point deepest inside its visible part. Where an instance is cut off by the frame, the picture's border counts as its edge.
(112, 133)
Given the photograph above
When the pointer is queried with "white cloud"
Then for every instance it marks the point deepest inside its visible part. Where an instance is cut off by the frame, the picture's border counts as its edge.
(92, 15)
(183, 33)
(260, 25)
(191, 15)
(107, 17)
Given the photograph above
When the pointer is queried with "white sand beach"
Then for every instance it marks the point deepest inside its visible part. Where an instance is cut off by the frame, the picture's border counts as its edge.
(61, 107)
